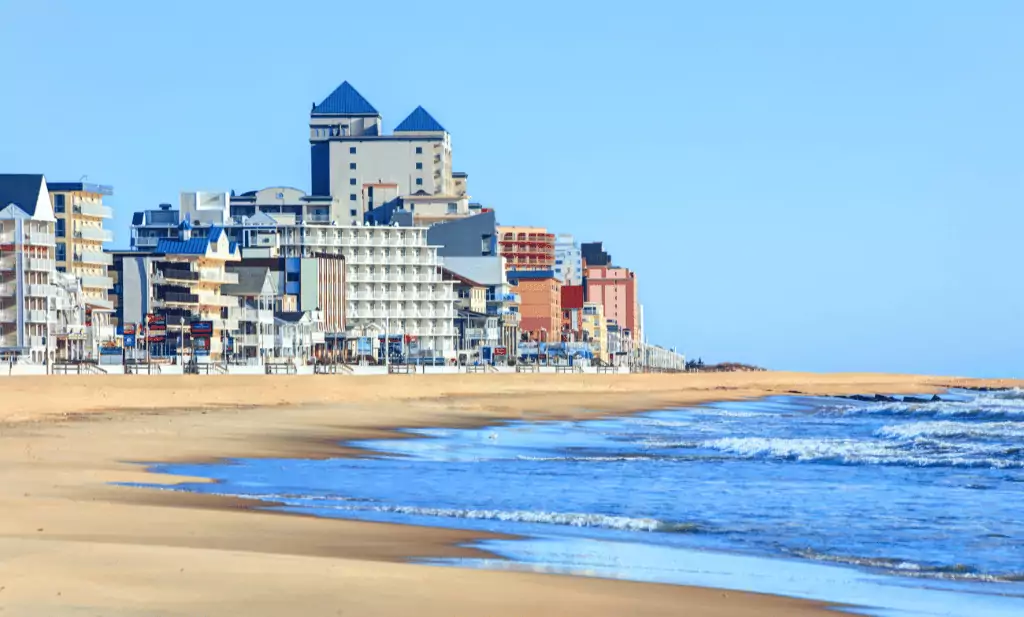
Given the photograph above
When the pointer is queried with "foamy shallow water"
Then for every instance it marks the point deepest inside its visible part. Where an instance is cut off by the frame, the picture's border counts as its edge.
(892, 505)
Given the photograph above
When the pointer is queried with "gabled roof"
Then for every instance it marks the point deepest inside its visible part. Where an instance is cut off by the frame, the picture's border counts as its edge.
(345, 100)
(195, 246)
(21, 190)
(419, 121)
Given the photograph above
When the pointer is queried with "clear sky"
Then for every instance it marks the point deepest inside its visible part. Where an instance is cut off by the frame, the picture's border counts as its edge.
(799, 184)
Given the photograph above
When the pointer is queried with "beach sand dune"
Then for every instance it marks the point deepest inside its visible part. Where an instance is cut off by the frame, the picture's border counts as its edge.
(72, 543)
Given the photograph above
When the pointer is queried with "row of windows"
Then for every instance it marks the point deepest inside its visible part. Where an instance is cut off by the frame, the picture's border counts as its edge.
(58, 204)
(352, 150)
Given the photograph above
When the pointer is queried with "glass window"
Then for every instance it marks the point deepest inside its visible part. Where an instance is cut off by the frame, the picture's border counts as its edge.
(352, 197)
(60, 229)
(352, 150)
(419, 150)
(58, 203)
(419, 165)
(352, 181)
(351, 165)
(62, 251)
(352, 212)
(419, 181)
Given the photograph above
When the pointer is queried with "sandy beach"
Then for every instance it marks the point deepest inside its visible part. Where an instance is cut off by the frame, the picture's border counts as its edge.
(73, 543)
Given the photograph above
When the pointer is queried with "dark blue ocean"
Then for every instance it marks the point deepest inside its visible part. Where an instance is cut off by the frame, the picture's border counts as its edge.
(906, 508)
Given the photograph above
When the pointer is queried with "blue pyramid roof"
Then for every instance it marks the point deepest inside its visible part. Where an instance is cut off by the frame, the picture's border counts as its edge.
(21, 190)
(419, 121)
(344, 100)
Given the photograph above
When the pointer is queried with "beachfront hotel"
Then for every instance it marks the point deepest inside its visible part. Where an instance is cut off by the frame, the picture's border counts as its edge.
(27, 267)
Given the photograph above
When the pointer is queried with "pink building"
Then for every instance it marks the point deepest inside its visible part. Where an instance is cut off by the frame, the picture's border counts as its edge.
(614, 289)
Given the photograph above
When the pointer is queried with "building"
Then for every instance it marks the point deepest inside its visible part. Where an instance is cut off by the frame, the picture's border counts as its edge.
(475, 328)
(594, 330)
(174, 286)
(27, 267)
(540, 304)
(259, 294)
(572, 312)
(79, 211)
(298, 336)
(472, 236)
(501, 300)
(527, 249)
(594, 255)
(616, 290)
(151, 226)
(568, 260)
(350, 155)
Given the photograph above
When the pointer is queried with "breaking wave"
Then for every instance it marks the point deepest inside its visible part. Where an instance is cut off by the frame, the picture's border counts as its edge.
(921, 453)
(902, 567)
(952, 430)
(569, 519)
(994, 405)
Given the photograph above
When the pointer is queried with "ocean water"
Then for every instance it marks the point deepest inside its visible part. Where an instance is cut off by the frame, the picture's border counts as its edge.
(905, 508)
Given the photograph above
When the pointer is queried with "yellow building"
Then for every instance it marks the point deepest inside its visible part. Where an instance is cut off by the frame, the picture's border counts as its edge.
(80, 213)
(596, 330)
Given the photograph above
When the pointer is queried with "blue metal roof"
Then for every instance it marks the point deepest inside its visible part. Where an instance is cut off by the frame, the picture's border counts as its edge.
(21, 190)
(419, 121)
(195, 246)
(137, 218)
(82, 187)
(345, 100)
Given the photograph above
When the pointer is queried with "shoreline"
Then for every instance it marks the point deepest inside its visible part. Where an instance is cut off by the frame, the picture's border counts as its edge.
(64, 446)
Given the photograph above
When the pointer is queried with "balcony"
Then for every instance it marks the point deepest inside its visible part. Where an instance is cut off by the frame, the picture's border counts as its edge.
(172, 297)
(97, 282)
(172, 274)
(218, 276)
(146, 242)
(8, 316)
(94, 257)
(40, 291)
(96, 234)
(318, 218)
(40, 265)
(206, 298)
(86, 208)
(35, 316)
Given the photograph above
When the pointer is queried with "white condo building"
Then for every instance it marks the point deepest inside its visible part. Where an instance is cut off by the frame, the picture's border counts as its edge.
(568, 260)
(27, 267)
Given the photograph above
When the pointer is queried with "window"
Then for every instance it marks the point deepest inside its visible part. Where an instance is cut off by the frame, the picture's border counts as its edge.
(292, 277)
(352, 181)
(419, 150)
(352, 212)
(419, 181)
(351, 165)
(62, 251)
(58, 203)
(419, 165)
(60, 229)
(61, 269)
(453, 208)
(352, 197)
(352, 150)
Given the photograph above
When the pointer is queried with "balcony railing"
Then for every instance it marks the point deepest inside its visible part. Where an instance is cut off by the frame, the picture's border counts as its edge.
(172, 274)
(94, 257)
(97, 282)
(40, 291)
(145, 242)
(218, 276)
(94, 233)
(93, 209)
(40, 265)
(180, 298)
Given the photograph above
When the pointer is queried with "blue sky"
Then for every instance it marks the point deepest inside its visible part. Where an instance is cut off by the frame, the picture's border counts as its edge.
(799, 184)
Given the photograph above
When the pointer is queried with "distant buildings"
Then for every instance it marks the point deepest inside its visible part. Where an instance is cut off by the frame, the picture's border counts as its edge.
(527, 248)
(568, 260)
(80, 215)
(614, 288)
(540, 304)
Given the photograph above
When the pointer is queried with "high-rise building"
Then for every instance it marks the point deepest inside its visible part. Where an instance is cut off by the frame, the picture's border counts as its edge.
(616, 290)
(568, 260)
(594, 254)
(540, 304)
(27, 267)
(527, 248)
(79, 211)
(353, 160)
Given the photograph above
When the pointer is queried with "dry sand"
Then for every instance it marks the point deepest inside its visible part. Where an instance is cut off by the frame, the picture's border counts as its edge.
(72, 544)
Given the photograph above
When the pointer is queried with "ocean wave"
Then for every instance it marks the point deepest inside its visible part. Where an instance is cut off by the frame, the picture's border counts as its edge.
(903, 567)
(586, 459)
(989, 406)
(920, 453)
(569, 519)
(952, 430)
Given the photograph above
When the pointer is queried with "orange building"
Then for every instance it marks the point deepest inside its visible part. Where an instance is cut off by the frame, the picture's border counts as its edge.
(526, 248)
(614, 288)
(540, 306)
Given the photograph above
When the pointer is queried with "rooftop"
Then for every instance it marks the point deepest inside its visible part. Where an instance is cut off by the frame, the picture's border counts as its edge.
(419, 121)
(80, 187)
(345, 100)
(21, 190)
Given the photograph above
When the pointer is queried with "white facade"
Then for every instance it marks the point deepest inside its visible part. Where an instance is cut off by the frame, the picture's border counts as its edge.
(27, 267)
(393, 283)
(568, 260)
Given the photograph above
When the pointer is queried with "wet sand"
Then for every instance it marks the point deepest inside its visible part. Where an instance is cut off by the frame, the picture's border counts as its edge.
(71, 543)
